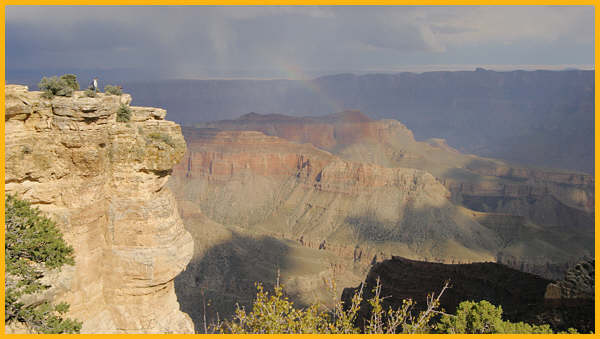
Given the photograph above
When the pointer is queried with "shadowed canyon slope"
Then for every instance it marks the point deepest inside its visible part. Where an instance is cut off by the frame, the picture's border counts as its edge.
(362, 190)
(522, 296)
(103, 182)
(541, 118)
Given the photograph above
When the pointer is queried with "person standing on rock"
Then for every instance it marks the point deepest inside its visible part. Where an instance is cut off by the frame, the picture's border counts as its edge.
(94, 85)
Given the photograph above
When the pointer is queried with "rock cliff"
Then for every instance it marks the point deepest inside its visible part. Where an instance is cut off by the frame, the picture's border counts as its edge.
(103, 182)
(578, 283)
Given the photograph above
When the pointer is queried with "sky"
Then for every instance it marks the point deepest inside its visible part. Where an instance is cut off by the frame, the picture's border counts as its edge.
(198, 42)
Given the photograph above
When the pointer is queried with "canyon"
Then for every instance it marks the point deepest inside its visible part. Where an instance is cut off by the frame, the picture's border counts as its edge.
(172, 226)
(319, 199)
(104, 184)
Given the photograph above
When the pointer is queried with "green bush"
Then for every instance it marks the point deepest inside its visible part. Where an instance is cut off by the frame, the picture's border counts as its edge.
(484, 318)
(57, 86)
(162, 137)
(113, 90)
(33, 244)
(90, 93)
(275, 314)
(123, 113)
(71, 80)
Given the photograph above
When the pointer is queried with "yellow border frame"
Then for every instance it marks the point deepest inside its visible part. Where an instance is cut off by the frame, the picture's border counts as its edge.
(596, 5)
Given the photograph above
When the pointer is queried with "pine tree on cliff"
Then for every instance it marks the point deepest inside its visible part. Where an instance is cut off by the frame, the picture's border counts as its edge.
(33, 245)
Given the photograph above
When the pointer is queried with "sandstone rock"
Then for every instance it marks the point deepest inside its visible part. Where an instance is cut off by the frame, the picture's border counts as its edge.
(103, 182)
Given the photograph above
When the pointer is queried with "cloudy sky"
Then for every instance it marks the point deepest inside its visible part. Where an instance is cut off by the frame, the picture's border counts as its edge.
(291, 42)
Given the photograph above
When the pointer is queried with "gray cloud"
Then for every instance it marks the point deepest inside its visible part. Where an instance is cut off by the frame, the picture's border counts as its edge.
(288, 41)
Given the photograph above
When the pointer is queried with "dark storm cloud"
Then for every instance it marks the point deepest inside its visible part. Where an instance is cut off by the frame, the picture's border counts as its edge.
(271, 41)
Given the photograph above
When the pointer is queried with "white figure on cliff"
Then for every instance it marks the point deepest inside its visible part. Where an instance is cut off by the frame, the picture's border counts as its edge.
(94, 85)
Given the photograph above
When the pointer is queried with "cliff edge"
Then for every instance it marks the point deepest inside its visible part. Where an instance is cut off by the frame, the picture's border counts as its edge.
(103, 182)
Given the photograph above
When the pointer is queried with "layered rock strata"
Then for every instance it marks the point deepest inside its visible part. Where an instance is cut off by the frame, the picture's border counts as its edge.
(544, 217)
(103, 182)
(295, 191)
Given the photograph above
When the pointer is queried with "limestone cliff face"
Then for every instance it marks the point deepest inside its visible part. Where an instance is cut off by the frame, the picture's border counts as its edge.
(103, 182)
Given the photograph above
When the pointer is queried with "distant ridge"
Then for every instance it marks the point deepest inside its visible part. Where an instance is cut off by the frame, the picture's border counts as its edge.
(543, 118)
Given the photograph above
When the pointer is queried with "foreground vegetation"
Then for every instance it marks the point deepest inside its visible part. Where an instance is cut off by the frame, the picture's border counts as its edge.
(34, 245)
(276, 314)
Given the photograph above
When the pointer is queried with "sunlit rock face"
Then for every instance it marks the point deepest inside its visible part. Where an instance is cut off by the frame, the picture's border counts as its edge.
(103, 182)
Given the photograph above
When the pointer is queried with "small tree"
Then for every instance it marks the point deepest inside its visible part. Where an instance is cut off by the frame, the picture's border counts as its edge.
(123, 113)
(71, 81)
(113, 90)
(484, 318)
(90, 93)
(55, 86)
(33, 244)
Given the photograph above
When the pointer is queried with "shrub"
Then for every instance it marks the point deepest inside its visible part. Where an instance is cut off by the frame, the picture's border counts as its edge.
(33, 243)
(113, 90)
(55, 86)
(90, 93)
(276, 314)
(162, 137)
(71, 81)
(123, 113)
(484, 318)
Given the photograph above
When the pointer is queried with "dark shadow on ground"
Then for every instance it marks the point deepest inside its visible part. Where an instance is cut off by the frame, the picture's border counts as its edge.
(226, 275)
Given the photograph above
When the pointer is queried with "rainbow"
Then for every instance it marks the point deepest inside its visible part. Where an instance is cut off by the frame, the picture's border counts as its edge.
(294, 72)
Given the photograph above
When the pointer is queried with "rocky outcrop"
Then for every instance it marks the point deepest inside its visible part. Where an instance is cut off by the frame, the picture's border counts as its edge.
(521, 295)
(103, 182)
(578, 283)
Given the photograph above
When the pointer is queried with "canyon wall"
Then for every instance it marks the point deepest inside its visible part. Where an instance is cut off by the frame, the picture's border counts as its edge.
(104, 183)
(295, 191)
(543, 218)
